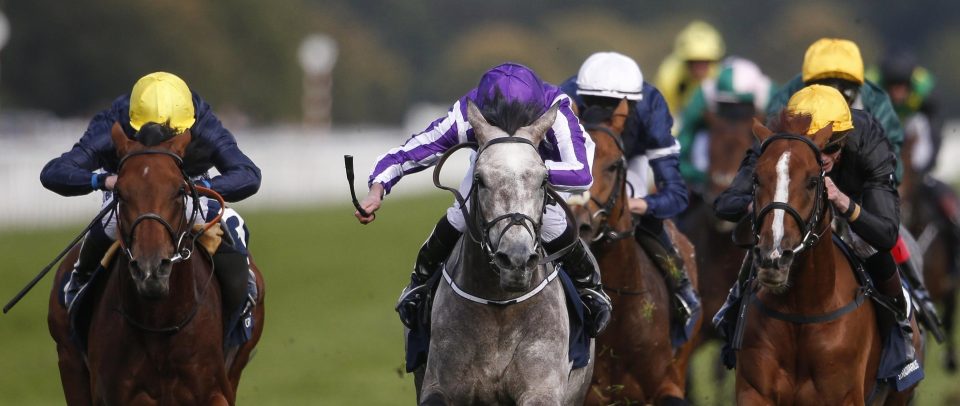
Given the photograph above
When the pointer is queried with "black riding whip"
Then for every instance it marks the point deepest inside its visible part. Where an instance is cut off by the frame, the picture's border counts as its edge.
(43, 272)
(348, 165)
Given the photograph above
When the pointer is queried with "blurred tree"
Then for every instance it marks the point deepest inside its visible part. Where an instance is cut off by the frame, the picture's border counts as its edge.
(74, 57)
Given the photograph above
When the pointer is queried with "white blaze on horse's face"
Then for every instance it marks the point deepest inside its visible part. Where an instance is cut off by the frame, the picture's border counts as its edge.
(781, 195)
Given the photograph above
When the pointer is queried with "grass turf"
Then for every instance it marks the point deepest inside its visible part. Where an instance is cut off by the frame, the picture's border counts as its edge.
(331, 338)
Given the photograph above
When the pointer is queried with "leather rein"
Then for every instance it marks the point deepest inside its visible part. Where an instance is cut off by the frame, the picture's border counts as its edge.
(608, 233)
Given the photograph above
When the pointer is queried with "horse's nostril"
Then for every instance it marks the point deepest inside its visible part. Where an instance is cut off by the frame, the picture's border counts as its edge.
(502, 260)
(135, 265)
(585, 228)
(533, 261)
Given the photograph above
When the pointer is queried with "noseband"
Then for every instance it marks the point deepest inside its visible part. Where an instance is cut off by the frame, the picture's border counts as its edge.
(478, 228)
(607, 232)
(807, 227)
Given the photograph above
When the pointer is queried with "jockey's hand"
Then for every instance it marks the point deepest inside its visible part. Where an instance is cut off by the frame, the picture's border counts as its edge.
(370, 204)
(838, 198)
(637, 206)
(110, 182)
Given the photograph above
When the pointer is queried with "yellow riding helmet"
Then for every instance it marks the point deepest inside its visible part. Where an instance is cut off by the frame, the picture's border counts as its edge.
(833, 58)
(699, 41)
(824, 104)
(161, 97)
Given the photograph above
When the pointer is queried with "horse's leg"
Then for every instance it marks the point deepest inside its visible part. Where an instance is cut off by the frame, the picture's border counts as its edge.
(245, 350)
(74, 375)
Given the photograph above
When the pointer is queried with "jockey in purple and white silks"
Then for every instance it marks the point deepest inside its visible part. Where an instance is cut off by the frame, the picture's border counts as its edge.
(566, 152)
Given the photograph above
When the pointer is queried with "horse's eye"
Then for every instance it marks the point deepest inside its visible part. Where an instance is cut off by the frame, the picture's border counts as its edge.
(613, 168)
(812, 183)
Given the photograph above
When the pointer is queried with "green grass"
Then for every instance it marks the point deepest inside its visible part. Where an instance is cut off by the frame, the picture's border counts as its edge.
(331, 337)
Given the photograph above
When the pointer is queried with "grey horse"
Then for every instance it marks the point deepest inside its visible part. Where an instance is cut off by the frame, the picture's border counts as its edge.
(500, 329)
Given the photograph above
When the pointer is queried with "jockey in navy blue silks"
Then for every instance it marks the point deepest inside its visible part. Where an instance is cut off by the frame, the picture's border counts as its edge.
(605, 79)
(159, 98)
(566, 151)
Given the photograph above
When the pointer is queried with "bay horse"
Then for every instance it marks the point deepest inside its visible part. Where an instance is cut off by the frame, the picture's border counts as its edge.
(810, 337)
(155, 335)
(923, 216)
(635, 359)
(500, 332)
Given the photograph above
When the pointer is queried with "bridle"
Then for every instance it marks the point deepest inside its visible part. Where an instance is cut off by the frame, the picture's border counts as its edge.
(807, 227)
(478, 228)
(181, 236)
(608, 233)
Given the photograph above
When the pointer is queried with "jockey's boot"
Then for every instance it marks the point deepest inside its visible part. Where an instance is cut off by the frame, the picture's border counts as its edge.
(94, 247)
(927, 311)
(883, 271)
(726, 318)
(582, 267)
(233, 272)
(661, 250)
(433, 253)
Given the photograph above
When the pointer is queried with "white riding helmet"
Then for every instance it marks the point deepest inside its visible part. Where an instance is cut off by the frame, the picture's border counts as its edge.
(610, 74)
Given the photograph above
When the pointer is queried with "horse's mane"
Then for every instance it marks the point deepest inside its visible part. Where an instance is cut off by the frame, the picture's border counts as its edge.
(509, 115)
(152, 134)
(791, 123)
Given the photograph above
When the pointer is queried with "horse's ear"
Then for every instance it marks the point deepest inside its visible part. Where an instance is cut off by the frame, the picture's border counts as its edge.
(121, 143)
(822, 136)
(761, 132)
(481, 128)
(178, 144)
(538, 129)
(619, 117)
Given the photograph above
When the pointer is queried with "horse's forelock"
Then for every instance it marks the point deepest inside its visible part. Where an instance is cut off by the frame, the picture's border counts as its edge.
(510, 115)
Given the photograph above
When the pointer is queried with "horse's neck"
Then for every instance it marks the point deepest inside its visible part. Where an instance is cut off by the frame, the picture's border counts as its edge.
(623, 254)
(475, 275)
(815, 279)
(170, 310)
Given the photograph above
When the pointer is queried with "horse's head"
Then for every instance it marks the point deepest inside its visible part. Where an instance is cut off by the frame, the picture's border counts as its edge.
(604, 124)
(510, 180)
(728, 139)
(789, 196)
(151, 190)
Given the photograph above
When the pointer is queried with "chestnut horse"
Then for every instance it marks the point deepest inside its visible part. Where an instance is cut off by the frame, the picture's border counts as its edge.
(811, 337)
(923, 217)
(635, 361)
(156, 333)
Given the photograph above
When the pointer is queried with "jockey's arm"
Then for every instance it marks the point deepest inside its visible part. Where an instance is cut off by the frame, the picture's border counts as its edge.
(421, 150)
(878, 219)
(571, 172)
(734, 203)
(239, 177)
(663, 154)
(71, 174)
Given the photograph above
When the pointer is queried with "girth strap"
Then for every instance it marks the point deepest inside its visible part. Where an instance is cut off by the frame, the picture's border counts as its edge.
(858, 300)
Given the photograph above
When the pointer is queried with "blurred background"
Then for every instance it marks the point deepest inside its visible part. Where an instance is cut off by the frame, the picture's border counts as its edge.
(301, 82)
